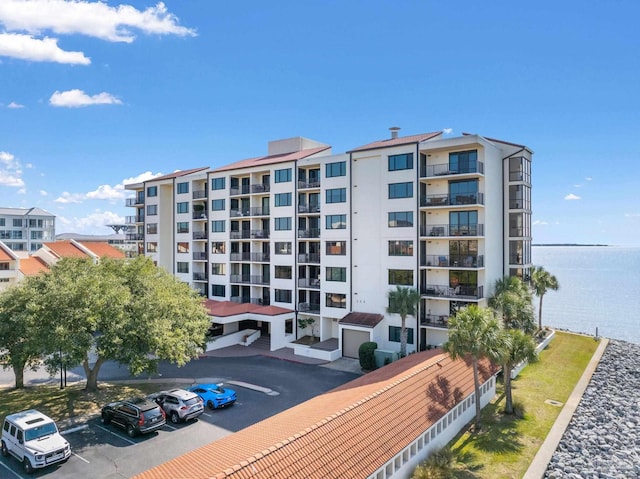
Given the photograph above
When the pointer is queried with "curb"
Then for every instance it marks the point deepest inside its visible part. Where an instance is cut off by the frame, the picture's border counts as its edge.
(542, 458)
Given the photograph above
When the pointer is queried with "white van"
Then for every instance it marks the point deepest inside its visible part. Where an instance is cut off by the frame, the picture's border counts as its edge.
(33, 439)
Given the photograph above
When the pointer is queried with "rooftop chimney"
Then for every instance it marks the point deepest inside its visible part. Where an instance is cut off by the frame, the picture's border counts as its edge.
(394, 132)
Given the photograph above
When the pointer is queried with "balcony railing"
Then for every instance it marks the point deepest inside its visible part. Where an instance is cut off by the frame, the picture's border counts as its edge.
(240, 190)
(260, 188)
(452, 230)
(309, 184)
(309, 233)
(200, 255)
(134, 237)
(450, 292)
(443, 169)
(247, 299)
(452, 200)
(260, 257)
(249, 279)
(260, 234)
(200, 235)
(312, 283)
(199, 215)
(246, 256)
(234, 213)
(453, 261)
(199, 194)
(308, 208)
(435, 320)
(311, 308)
(199, 276)
(134, 219)
(242, 234)
(134, 201)
(309, 258)
(259, 211)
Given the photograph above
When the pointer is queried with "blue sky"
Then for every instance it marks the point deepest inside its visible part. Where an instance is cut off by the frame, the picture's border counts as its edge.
(97, 94)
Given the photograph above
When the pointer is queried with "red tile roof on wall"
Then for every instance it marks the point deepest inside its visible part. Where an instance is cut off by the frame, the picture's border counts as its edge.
(269, 160)
(348, 432)
(496, 141)
(178, 174)
(5, 256)
(403, 140)
(65, 249)
(102, 249)
(229, 308)
(368, 320)
(32, 266)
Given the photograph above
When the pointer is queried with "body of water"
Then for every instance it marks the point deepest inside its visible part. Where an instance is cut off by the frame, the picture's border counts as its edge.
(599, 288)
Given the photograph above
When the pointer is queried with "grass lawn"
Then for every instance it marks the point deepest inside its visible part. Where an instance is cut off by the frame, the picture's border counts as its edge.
(505, 446)
(72, 401)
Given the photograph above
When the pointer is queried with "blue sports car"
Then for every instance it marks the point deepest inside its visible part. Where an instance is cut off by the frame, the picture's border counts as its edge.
(214, 395)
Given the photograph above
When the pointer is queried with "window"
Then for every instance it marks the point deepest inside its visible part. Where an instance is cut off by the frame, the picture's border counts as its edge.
(401, 277)
(218, 226)
(152, 228)
(182, 207)
(182, 267)
(152, 210)
(400, 248)
(283, 272)
(336, 248)
(401, 162)
(394, 334)
(2, 222)
(183, 247)
(218, 290)
(336, 222)
(152, 247)
(218, 247)
(283, 247)
(217, 183)
(336, 274)
(463, 161)
(463, 192)
(17, 222)
(339, 168)
(282, 224)
(400, 219)
(283, 199)
(182, 227)
(183, 188)
(217, 269)
(283, 295)
(152, 191)
(463, 223)
(336, 300)
(217, 205)
(401, 190)
(337, 195)
(283, 176)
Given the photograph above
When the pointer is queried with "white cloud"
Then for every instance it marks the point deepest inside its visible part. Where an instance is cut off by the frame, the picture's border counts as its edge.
(77, 99)
(106, 192)
(447, 131)
(571, 197)
(13, 104)
(43, 193)
(540, 222)
(26, 47)
(588, 178)
(147, 175)
(67, 197)
(93, 223)
(10, 171)
(632, 215)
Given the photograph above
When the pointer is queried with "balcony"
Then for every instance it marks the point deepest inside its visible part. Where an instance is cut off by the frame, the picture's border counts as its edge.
(249, 279)
(308, 208)
(260, 234)
(239, 190)
(247, 299)
(452, 200)
(260, 188)
(434, 320)
(135, 237)
(453, 261)
(200, 255)
(309, 184)
(260, 257)
(309, 233)
(259, 211)
(309, 258)
(199, 276)
(445, 169)
(448, 292)
(245, 256)
(243, 234)
(134, 219)
(200, 235)
(309, 308)
(452, 230)
(238, 212)
(199, 215)
(134, 202)
(311, 283)
(199, 194)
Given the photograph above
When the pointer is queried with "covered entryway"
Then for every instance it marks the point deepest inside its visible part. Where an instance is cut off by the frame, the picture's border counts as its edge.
(351, 341)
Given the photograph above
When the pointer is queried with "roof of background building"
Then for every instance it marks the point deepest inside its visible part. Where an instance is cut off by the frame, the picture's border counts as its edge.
(65, 249)
(229, 308)
(71, 248)
(268, 160)
(32, 266)
(350, 431)
(24, 212)
(402, 140)
(178, 174)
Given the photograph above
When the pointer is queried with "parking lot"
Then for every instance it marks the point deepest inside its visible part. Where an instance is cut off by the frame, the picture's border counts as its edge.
(106, 452)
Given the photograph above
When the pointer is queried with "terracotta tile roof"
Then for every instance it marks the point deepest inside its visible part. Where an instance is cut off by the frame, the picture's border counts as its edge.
(32, 266)
(368, 320)
(403, 140)
(5, 256)
(65, 249)
(229, 308)
(348, 432)
(497, 141)
(178, 174)
(101, 249)
(269, 160)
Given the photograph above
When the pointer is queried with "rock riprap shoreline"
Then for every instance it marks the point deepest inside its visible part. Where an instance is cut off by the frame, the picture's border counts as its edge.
(603, 438)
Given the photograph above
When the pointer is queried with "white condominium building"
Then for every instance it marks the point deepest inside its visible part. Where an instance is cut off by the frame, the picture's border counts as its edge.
(26, 229)
(302, 243)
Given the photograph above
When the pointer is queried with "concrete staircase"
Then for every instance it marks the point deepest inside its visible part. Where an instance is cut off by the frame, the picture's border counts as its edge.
(263, 343)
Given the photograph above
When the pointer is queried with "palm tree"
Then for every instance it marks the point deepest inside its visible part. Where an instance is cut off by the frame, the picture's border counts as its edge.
(403, 301)
(515, 347)
(541, 282)
(474, 331)
(512, 301)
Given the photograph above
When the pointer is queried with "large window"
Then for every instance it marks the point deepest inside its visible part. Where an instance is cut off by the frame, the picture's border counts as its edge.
(282, 224)
(336, 195)
(394, 334)
(283, 247)
(336, 274)
(400, 219)
(401, 190)
(182, 267)
(182, 207)
(17, 222)
(218, 226)
(283, 272)
(334, 300)
(152, 228)
(183, 247)
(183, 188)
(152, 247)
(283, 295)
(401, 162)
(336, 248)
(217, 269)
(463, 223)
(182, 227)
(152, 191)
(339, 168)
(218, 290)
(403, 277)
(217, 183)
(400, 248)
(463, 192)
(283, 199)
(152, 210)
(336, 222)
(217, 205)
(283, 176)
(463, 161)
(218, 247)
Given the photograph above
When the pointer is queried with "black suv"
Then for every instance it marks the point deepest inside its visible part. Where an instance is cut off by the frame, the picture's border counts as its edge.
(136, 416)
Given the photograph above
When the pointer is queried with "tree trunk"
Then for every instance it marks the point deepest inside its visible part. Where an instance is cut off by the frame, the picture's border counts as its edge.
(476, 384)
(403, 337)
(92, 373)
(18, 372)
(540, 314)
(508, 399)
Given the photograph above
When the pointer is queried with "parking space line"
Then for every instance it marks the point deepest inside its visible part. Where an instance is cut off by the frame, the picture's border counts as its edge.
(171, 427)
(117, 435)
(207, 414)
(80, 457)
(10, 470)
(74, 429)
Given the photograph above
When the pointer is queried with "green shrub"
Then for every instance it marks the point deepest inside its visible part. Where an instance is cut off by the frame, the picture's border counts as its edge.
(367, 356)
(438, 465)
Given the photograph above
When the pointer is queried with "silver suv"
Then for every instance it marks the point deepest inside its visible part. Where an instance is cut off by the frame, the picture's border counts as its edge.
(178, 404)
(33, 439)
